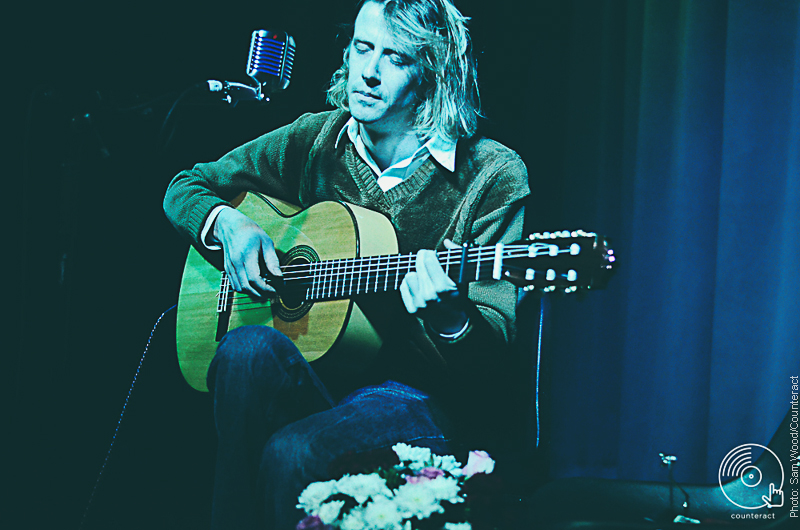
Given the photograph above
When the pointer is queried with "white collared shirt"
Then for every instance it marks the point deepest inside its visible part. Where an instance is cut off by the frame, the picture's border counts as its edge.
(441, 149)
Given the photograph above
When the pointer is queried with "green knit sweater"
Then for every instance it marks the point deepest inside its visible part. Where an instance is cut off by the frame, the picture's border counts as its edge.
(480, 202)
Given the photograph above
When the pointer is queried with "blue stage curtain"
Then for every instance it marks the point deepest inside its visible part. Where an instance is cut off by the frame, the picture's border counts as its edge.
(682, 141)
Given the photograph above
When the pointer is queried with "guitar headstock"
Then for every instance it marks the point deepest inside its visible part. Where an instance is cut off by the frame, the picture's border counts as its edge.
(565, 260)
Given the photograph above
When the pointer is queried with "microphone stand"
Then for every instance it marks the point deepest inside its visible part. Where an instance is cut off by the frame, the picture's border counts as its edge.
(668, 461)
(232, 93)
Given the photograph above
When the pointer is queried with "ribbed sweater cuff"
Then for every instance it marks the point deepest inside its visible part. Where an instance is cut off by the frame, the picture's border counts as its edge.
(196, 217)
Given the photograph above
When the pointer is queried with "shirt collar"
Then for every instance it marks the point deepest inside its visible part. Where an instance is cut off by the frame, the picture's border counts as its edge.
(441, 149)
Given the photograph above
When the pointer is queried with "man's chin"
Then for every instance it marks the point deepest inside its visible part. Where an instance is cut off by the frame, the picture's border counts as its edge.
(364, 116)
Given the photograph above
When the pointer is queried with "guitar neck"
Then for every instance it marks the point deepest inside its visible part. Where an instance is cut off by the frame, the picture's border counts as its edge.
(343, 278)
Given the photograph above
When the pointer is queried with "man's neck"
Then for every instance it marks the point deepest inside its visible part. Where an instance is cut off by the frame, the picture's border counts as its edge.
(389, 148)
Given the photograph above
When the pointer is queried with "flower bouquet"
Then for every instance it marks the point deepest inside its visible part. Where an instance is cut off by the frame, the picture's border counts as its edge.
(424, 491)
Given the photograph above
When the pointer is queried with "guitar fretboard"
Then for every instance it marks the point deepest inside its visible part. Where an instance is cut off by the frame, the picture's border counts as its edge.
(343, 278)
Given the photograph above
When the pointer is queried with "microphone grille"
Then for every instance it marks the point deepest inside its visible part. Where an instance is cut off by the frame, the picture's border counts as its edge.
(271, 59)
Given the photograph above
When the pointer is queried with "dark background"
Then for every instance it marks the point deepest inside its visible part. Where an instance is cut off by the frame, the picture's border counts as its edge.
(670, 126)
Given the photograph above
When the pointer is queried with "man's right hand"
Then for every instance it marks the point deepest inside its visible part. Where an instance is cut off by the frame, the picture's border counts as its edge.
(246, 246)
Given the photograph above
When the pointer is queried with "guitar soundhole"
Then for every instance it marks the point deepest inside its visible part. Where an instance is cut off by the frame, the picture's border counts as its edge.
(292, 304)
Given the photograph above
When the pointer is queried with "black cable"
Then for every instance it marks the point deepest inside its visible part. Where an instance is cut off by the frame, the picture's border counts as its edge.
(162, 141)
(124, 406)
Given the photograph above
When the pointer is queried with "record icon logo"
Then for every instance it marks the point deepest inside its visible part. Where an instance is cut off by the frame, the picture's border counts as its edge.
(738, 467)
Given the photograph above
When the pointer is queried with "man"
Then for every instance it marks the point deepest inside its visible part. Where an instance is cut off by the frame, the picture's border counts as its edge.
(402, 144)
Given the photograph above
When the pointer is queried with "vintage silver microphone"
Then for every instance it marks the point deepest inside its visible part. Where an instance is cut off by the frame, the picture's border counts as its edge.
(269, 64)
(270, 60)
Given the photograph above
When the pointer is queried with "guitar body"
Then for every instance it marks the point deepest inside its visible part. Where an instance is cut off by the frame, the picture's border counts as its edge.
(325, 231)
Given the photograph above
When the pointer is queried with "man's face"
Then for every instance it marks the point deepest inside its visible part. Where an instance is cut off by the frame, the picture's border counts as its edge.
(382, 79)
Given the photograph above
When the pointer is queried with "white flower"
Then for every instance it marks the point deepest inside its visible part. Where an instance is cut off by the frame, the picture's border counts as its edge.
(329, 511)
(416, 455)
(354, 520)
(382, 514)
(444, 489)
(447, 463)
(362, 487)
(315, 494)
(416, 500)
(457, 526)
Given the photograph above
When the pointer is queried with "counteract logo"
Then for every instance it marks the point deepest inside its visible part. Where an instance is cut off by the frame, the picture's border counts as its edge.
(738, 464)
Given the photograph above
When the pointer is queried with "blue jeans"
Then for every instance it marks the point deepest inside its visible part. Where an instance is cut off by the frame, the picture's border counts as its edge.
(279, 429)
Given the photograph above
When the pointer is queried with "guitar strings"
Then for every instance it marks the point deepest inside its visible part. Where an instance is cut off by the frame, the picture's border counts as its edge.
(345, 268)
(331, 290)
(384, 269)
(392, 261)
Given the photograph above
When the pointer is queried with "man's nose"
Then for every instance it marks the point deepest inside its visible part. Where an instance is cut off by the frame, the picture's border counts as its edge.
(370, 73)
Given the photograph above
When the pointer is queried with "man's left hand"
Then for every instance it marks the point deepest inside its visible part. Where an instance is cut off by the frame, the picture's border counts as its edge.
(429, 291)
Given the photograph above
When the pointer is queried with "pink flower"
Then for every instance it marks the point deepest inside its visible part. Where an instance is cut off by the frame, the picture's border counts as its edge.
(425, 474)
(478, 462)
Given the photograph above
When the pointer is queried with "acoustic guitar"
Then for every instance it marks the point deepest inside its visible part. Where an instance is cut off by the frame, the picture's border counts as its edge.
(334, 252)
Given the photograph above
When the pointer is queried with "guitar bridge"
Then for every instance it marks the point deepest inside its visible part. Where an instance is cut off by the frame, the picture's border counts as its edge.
(224, 302)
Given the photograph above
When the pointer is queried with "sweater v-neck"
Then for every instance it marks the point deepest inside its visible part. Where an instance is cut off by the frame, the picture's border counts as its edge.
(397, 195)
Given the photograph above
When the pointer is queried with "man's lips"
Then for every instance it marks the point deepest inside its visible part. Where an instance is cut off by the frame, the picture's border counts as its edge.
(368, 95)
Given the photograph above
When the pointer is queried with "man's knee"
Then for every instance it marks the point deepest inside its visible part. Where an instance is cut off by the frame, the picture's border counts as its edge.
(249, 350)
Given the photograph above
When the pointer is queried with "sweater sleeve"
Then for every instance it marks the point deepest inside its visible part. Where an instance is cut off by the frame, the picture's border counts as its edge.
(271, 164)
(497, 217)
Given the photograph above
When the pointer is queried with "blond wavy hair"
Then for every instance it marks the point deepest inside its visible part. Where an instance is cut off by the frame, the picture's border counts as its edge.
(435, 35)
